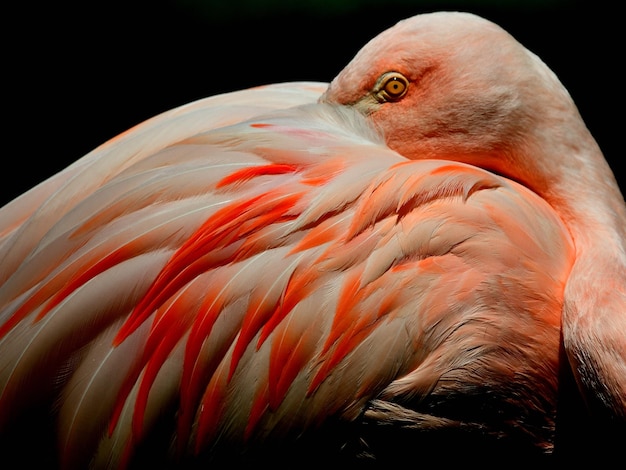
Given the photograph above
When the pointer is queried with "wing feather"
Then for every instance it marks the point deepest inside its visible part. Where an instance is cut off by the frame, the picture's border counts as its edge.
(252, 260)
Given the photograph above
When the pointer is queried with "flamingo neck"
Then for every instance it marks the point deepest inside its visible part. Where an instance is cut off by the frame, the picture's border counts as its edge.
(594, 317)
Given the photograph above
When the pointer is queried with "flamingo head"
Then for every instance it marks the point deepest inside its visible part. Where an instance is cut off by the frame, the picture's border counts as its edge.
(452, 85)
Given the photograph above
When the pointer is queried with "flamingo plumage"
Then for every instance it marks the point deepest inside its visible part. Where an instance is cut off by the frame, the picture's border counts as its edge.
(408, 249)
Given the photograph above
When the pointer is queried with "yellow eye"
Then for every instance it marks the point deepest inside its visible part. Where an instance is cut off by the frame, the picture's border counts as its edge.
(391, 86)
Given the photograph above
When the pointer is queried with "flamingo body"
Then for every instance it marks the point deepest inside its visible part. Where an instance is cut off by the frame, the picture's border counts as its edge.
(275, 266)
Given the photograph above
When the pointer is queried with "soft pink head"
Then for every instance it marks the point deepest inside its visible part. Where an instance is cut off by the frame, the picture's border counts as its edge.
(455, 86)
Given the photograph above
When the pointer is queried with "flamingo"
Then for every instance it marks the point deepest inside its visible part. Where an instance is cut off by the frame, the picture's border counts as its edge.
(404, 259)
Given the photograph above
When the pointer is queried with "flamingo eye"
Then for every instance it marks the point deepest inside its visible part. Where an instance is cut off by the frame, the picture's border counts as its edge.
(391, 86)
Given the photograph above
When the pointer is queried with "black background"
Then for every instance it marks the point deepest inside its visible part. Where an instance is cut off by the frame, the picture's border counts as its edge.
(76, 75)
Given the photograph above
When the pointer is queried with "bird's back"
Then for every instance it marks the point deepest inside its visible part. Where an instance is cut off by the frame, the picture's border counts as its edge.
(250, 268)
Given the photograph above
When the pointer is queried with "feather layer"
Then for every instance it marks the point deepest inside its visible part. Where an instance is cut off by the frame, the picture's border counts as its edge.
(253, 271)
